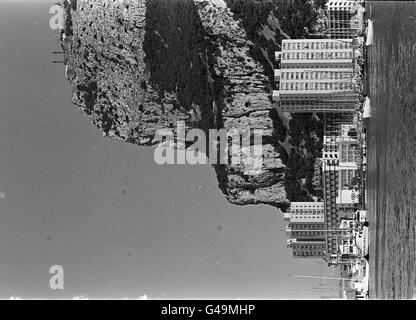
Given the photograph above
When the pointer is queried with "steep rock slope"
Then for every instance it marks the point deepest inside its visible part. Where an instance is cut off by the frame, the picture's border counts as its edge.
(139, 66)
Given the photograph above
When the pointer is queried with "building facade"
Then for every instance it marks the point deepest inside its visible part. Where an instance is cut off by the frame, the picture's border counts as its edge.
(309, 249)
(306, 229)
(312, 212)
(315, 75)
(340, 154)
(339, 167)
(344, 18)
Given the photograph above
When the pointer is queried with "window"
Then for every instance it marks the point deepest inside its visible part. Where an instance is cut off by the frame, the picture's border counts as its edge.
(346, 179)
(348, 152)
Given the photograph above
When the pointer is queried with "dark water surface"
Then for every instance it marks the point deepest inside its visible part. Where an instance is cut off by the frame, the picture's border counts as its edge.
(392, 150)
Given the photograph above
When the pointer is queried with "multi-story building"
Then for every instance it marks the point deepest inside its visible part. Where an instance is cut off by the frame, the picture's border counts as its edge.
(313, 227)
(315, 75)
(312, 212)
(309, 249)
(339, 166)
(306, 229)
(344, 18)
(340, 154)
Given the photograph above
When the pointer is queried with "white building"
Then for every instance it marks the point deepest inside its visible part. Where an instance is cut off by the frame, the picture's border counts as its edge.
(340, 156)
(315, 53)
(315, 75)
(345, 18)
(312, 212)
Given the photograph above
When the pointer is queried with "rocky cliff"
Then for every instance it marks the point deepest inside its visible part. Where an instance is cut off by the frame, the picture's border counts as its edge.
(139, 66)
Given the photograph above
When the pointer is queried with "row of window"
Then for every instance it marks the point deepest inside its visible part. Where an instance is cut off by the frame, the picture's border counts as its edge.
(317, 55)
(309, 210)
(302, 226)
(308, 246)
(331, 147)
(312, 45)
(346, 178)
(307, 233)
(349, 153)
(309, 217)
(315, 75)
(308, 253)
(316, 86)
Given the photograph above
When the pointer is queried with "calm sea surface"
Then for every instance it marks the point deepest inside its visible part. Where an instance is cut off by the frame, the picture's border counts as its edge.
(392, 150)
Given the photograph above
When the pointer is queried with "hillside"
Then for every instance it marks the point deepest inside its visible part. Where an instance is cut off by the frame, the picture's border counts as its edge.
(139, 66)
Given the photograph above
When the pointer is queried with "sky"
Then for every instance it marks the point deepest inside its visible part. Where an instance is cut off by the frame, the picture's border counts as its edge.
(120, 225)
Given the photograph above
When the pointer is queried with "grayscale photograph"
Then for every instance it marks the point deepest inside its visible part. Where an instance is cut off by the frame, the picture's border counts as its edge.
(207, 150)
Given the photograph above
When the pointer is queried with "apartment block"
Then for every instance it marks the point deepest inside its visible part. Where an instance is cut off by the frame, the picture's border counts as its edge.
(315, 75)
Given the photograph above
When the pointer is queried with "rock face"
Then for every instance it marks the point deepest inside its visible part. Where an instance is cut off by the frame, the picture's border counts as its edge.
(139, 66)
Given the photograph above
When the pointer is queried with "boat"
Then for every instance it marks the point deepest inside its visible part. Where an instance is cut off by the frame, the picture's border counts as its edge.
(367, 108)
(369, 40)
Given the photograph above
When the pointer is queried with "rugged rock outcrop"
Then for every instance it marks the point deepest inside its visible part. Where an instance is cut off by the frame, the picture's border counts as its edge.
(139, 66)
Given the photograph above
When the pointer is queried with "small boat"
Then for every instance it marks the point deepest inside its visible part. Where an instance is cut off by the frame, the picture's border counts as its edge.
(369, 33)
(367, 108)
